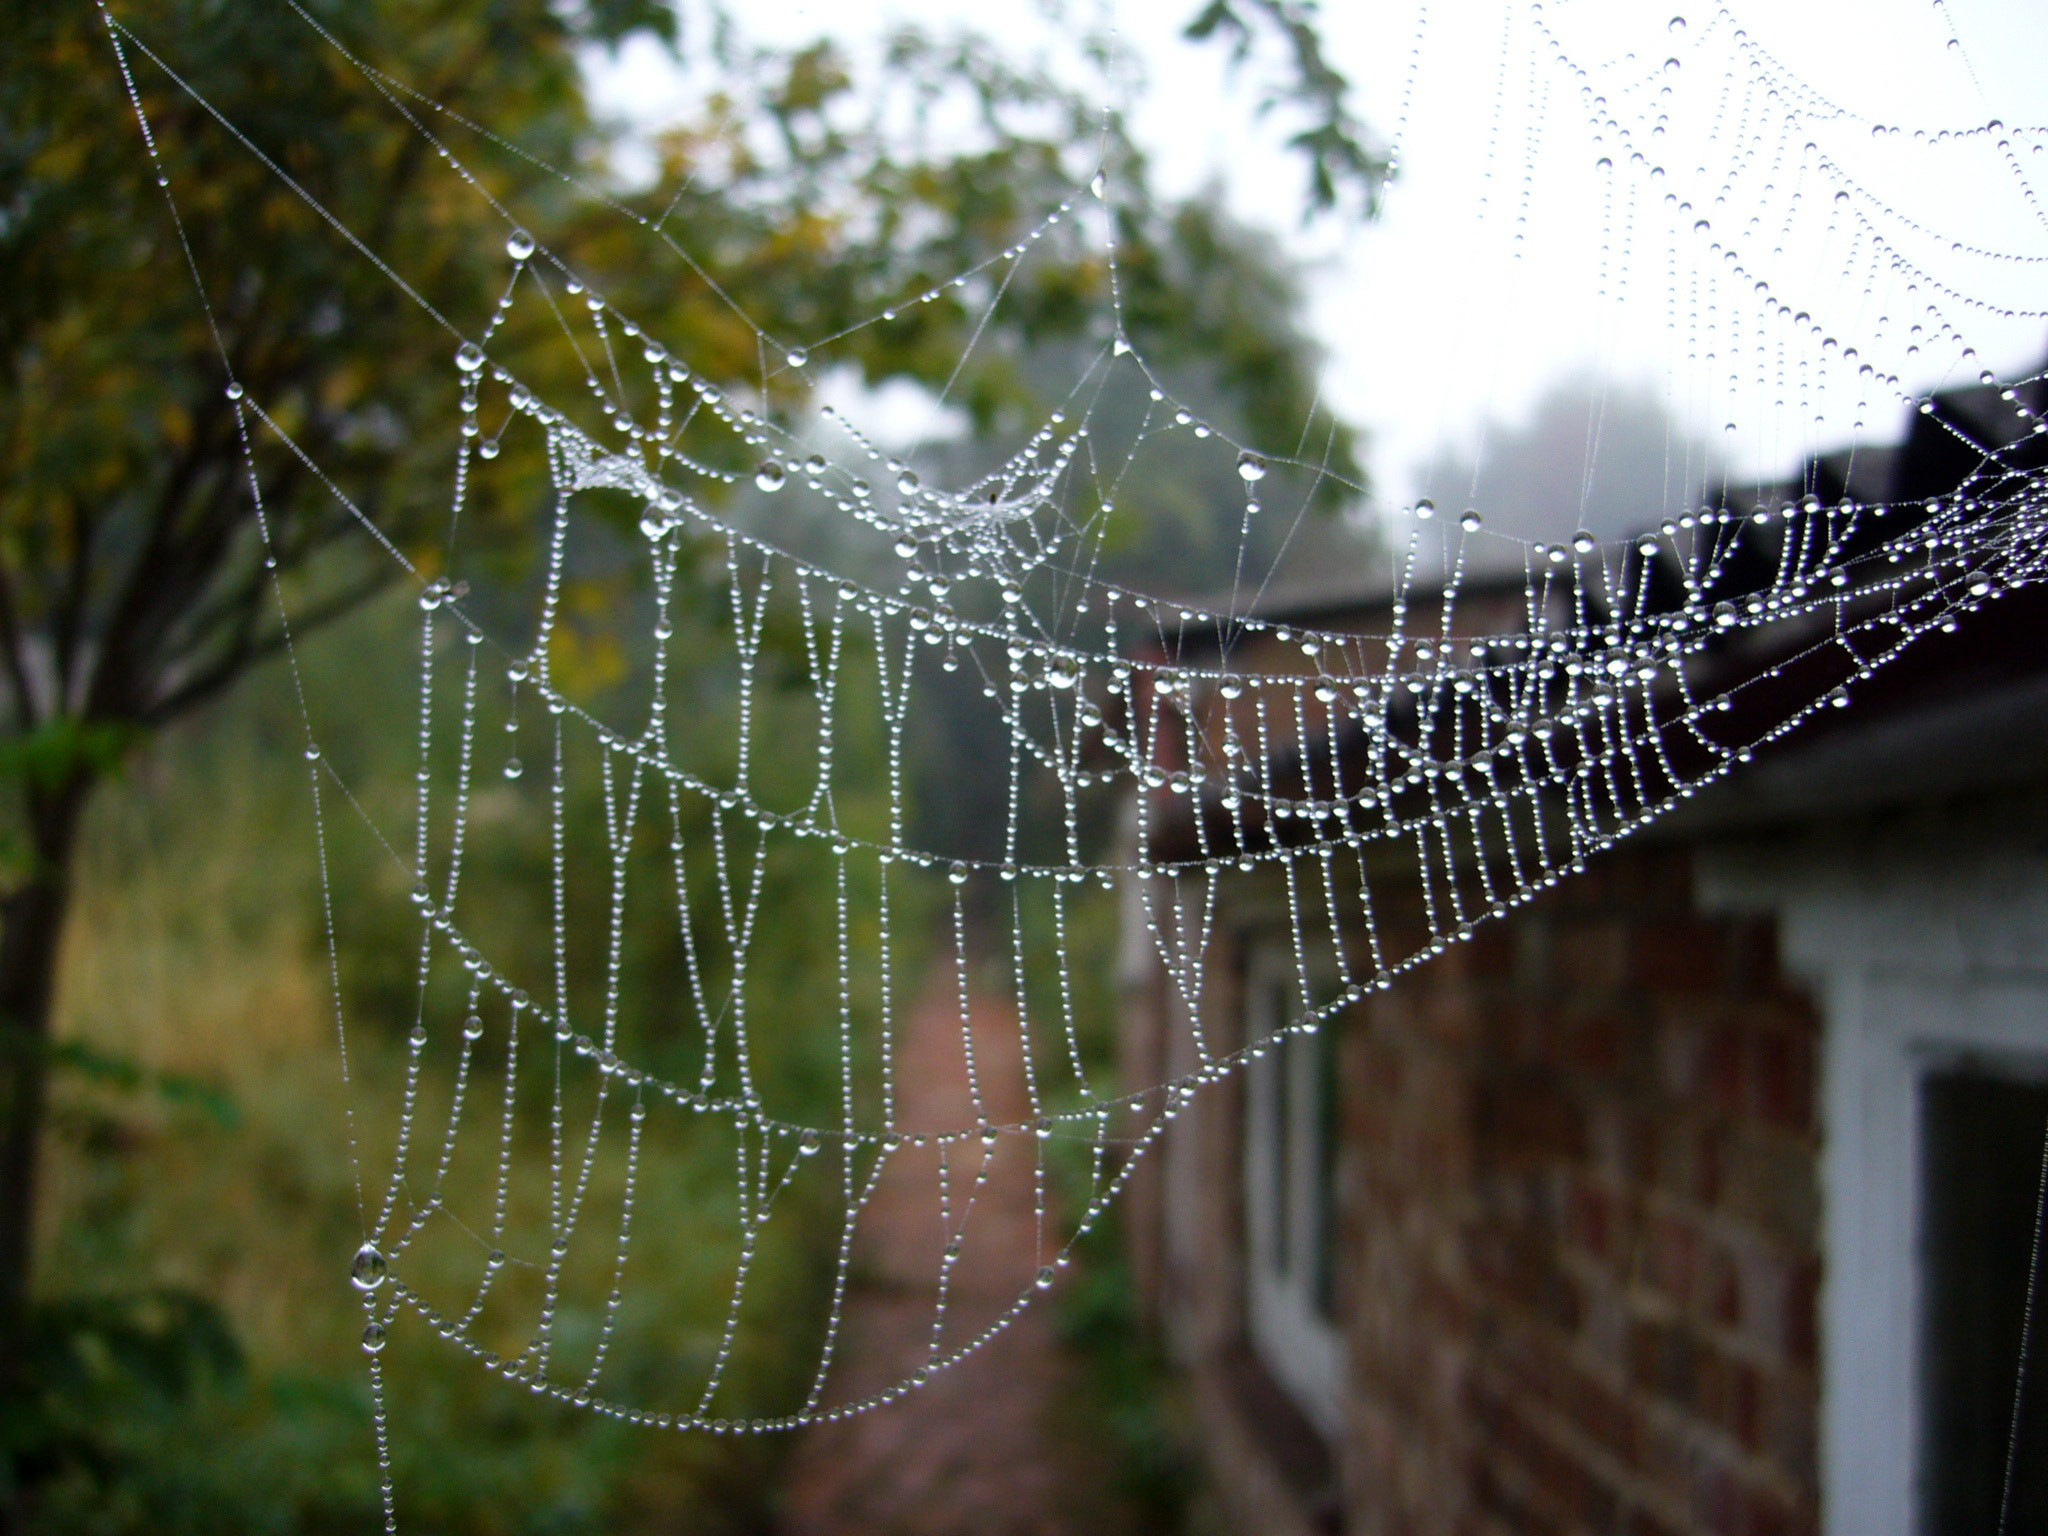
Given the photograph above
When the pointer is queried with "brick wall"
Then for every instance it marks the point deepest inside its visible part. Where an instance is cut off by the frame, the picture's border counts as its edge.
(1578, 1225)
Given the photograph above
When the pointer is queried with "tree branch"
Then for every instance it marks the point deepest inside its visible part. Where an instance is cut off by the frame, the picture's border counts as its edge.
(247, 651)
(11, 645)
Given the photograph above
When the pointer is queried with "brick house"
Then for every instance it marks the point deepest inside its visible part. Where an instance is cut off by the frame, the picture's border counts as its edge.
(1696, 1195)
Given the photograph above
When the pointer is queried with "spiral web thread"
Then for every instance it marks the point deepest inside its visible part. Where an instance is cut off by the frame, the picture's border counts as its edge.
(1485, 744)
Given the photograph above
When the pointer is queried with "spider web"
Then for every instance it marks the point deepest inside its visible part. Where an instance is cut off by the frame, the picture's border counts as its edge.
(1491, 738)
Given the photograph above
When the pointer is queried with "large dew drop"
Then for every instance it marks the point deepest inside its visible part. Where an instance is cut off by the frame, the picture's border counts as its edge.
(369, 1269)
(519, 245)
(469, 357)
(1250, 467)
(771, 476)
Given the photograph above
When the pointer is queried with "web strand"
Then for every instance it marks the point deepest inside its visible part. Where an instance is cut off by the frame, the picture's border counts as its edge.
(1505, 711)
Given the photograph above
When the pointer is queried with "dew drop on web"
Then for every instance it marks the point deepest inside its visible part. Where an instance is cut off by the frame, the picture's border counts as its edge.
(368, 1270)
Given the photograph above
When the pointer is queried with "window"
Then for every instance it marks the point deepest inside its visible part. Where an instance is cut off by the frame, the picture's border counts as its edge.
(1981, 1132)
(1932, 1083)
(1290, 1145)
(1934, 992)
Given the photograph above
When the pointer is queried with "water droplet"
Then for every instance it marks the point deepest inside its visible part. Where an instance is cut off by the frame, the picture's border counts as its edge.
(1583, 542)
(1839, 698)
(798, 357)
(1724, 615)
(1250, 467)
(1671, 66)
(513, 768)
(519, 245)
(488, 448)
(807, 1145)
(1120, 347)
(771, 475)
(1425, 509)
(1045, 1277)
(1098, 184)
(469, 357)
(958, 873)
(368, 1270)
(1470, 522)
(234, 391)
(907, 482)
(473, 1027)
(1677, 24)
(418, 1038)
(373, 1338)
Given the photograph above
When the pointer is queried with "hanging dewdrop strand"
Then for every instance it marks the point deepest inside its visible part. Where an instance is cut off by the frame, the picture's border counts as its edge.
(515, 674)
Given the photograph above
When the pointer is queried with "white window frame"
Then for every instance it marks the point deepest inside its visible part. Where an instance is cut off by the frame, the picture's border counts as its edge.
(1889, 1031)
(1918, 964)
(1292, 1336)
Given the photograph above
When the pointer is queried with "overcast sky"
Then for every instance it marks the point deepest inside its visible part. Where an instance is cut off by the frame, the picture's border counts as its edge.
(1439, 317)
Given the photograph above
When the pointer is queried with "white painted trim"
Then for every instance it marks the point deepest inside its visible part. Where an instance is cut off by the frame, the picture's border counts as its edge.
(1295, 1341)
(1888, 1029)
(1917, 959)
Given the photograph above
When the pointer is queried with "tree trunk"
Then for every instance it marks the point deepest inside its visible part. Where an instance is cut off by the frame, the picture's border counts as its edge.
(31, 929)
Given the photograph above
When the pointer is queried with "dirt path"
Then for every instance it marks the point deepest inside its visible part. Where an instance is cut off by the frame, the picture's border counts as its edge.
(983, 1448)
